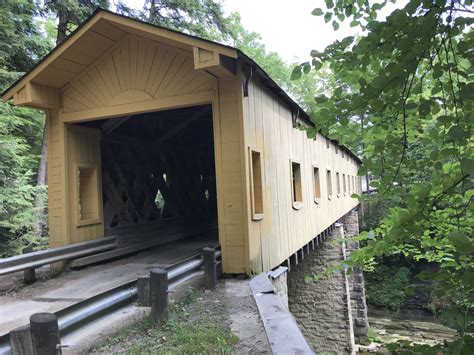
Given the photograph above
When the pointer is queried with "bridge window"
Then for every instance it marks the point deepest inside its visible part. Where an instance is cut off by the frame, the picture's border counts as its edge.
(317, 185)
(87, 194)
(344, 185)
(256, 185)
(297, 193)
(338, 185)
(329, 183)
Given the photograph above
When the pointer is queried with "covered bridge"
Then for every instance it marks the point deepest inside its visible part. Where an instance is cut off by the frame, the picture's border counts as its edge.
(152, 127)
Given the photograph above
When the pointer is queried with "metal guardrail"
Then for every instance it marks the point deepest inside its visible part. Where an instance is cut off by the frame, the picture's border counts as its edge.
(73, 317)
(44, 257)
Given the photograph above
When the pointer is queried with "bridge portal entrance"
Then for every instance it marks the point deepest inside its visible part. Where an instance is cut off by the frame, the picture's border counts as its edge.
(155, 181)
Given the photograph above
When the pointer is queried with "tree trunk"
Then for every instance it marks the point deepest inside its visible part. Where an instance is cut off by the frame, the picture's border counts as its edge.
(41, 180)
(63, 21)
(43, 164)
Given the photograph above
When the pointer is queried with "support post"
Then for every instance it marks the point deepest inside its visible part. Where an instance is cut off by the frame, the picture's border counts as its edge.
(29, 275)
(20, 341)
(339, 229)
(45, 334)
(210, 270)
(159, 295)
(143, 287)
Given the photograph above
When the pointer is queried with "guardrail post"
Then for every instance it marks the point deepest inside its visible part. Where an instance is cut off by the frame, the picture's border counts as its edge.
(159, 295)
(20, 341)
(143, 287)
(210, 270)
(45, 334)
(29, 275)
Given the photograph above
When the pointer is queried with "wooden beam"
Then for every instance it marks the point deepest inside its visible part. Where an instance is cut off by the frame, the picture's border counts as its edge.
(212, 61)
(182, 125)
(37, 95)
(113, 123)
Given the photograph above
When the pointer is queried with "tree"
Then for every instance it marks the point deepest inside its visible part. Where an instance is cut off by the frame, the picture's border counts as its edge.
(22, 44)
(70, 13)
(20, 128)
(411, 79)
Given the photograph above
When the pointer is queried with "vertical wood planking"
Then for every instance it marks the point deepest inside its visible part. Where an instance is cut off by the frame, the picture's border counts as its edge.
(284, 230)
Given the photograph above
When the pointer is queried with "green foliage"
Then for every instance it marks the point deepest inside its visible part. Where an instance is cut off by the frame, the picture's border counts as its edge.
(203, 18)
(20, 141)
(373, 337)
(403, 98)
(189, 330)
(22, 43)
(460, 346)
(70, 14)
(386, 287)
(21, 130)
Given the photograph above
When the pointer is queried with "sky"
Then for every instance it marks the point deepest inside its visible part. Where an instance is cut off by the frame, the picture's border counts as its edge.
(287, 26)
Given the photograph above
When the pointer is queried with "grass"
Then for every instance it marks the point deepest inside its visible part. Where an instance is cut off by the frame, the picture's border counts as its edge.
(193, 327)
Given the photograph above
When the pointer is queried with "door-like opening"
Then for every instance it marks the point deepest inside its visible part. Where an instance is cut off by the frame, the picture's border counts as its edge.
(158, 175)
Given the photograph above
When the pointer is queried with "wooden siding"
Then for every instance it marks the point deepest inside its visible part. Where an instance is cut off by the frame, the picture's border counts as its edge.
(230, 168)
(284, 229)
(57, 197)
(151, 76)
(83, 150)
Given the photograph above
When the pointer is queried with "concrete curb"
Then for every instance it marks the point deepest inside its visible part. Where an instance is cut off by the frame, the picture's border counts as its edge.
(283, 332)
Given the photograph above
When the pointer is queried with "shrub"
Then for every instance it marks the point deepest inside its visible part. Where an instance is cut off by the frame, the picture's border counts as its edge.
(386, 286)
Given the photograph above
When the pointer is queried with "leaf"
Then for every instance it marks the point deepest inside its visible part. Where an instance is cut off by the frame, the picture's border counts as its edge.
(321, 99)
(467, 165)
(329, 4)
(425, 108)
(335, 25)
(446, 119)
(317, 12)
(306, 67)
(467, 92)
(456, 132)
(460, 241)
(327, 17)
(354, 23)
(317, 64)
(296, 73)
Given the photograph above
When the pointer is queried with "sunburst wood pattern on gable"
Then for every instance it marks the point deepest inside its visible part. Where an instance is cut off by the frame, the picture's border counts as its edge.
(135, 70)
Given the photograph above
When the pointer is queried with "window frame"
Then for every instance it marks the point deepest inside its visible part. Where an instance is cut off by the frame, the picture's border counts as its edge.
(344, 184)
(297, 205)
(338, 184)
(329, 186)
(256, 215)
(95, 194)
(316, 172)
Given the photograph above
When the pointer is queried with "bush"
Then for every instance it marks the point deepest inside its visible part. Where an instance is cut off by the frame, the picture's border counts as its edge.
(386, 286)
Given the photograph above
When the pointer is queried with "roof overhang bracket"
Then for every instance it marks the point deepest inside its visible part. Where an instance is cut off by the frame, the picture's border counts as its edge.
(295, 116)
(214, 62)
(37, 95)
(248, 72)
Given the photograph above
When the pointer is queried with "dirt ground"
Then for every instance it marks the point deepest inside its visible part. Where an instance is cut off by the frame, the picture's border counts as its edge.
(225, 320)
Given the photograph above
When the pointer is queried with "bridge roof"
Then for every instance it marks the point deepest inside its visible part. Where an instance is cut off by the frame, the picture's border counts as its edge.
(103, 29)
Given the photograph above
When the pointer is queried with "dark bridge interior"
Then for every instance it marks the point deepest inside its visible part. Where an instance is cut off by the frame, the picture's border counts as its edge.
(158, 172)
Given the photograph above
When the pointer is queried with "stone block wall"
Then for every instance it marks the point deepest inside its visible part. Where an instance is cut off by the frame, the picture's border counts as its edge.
(320, 307)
